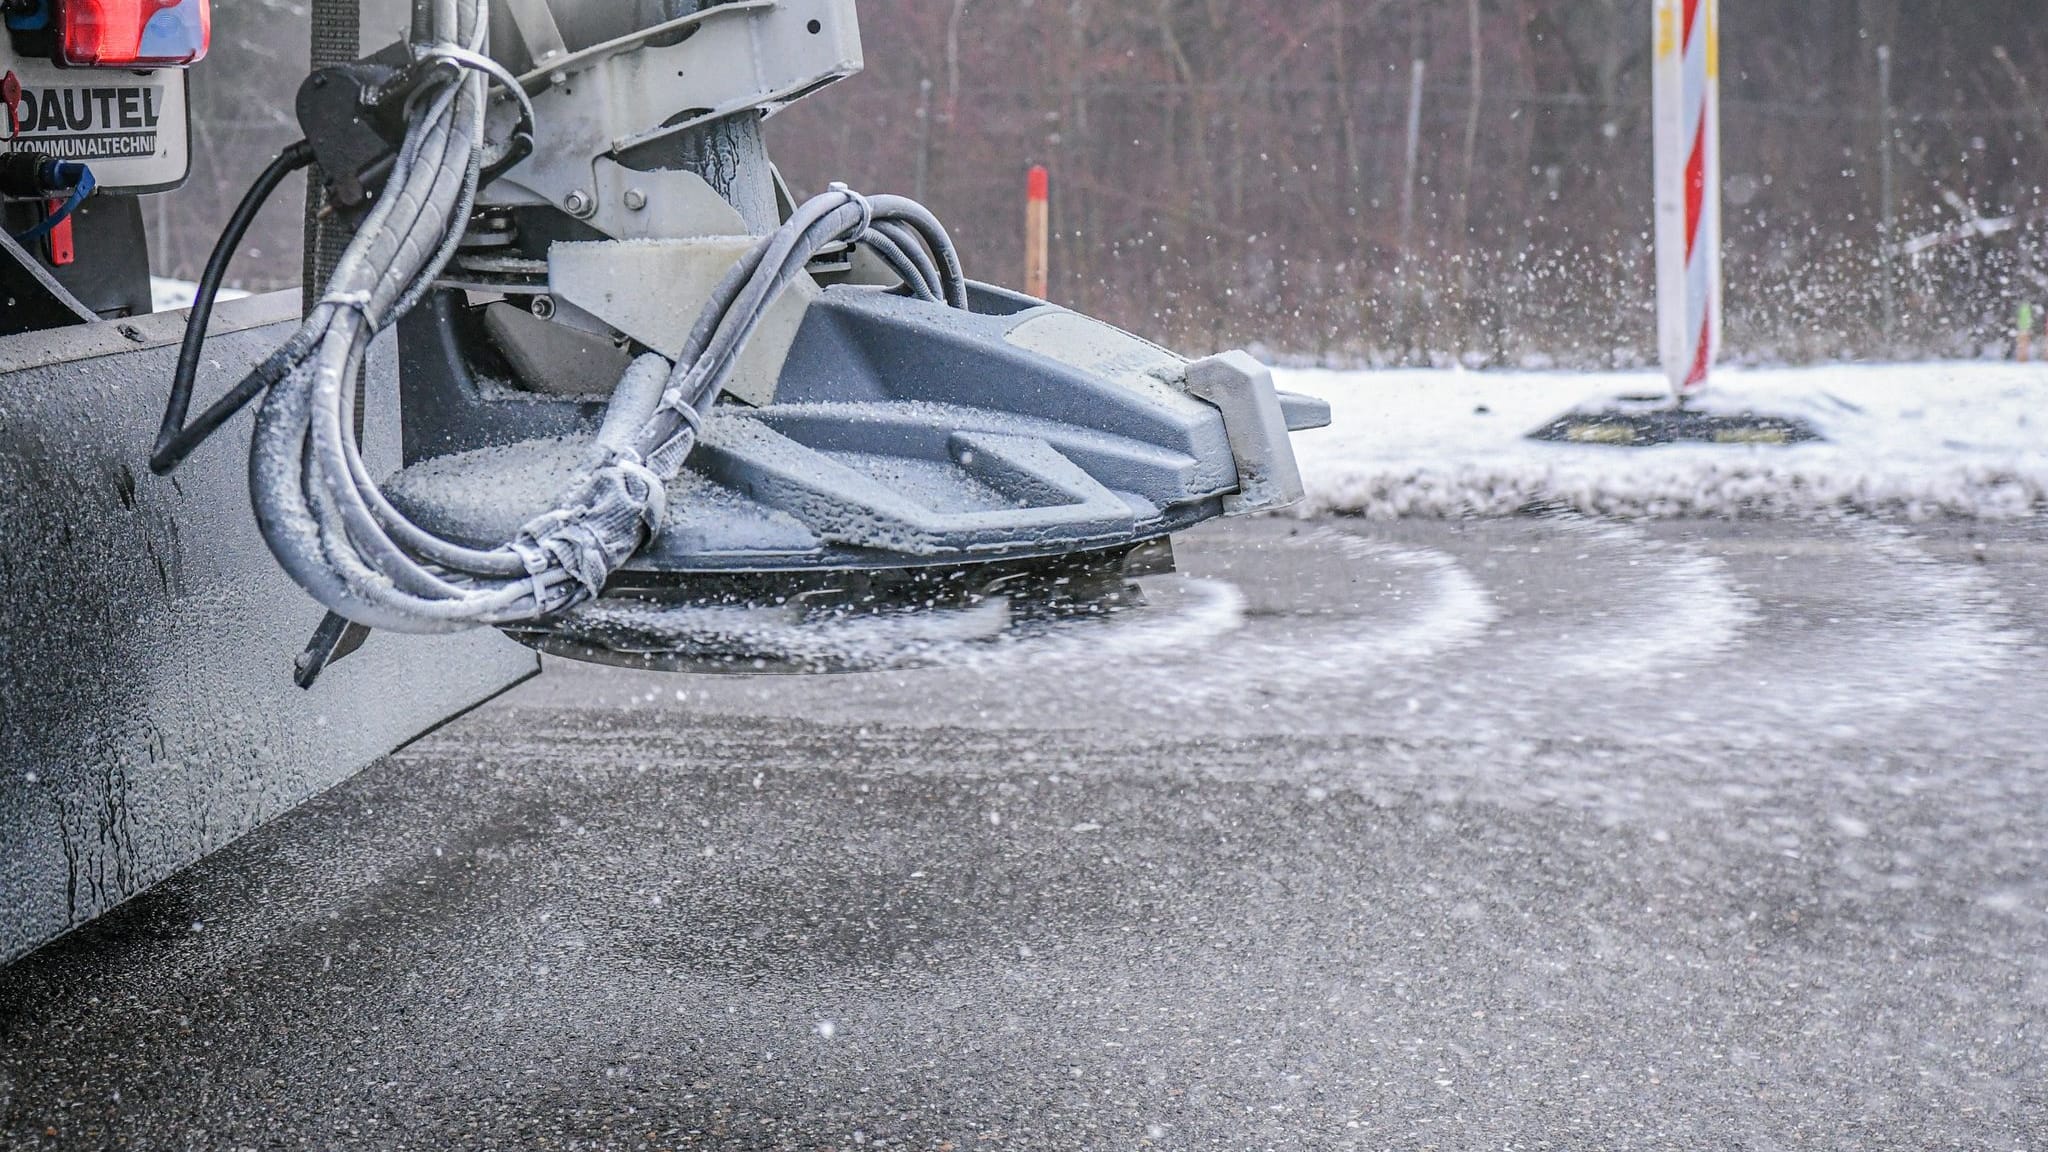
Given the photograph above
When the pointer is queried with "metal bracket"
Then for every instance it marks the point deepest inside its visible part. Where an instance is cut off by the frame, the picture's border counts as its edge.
(661, 205)
(335, 638)
(562, 70)
(1242, 389)
(536, 24)
(625, 93)
(652, 291)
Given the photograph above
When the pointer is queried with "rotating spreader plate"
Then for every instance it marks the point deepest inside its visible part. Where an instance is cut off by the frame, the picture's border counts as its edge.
(850, 621)
(917, 469)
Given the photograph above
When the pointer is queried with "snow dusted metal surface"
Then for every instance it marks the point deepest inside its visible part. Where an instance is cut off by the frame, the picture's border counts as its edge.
(147, 710)
(1919, 441)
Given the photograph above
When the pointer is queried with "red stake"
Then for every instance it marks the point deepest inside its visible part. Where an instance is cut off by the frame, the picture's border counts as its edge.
(1038, 233)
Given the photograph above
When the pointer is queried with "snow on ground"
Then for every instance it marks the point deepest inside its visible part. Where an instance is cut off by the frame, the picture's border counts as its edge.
(170, 295)
(1914, 440)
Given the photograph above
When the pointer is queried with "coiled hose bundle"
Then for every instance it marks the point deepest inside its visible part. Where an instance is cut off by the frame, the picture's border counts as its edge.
(321, 511)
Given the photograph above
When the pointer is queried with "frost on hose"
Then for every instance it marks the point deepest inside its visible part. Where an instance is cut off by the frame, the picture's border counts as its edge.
(327, 519)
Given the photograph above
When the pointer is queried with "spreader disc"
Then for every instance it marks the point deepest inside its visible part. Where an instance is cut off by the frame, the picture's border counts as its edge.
(853, 621)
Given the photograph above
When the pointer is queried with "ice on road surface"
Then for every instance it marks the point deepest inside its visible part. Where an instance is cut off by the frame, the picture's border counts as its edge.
(1914, 440)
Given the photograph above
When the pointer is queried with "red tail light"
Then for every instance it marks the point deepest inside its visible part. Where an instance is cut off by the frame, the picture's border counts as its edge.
(133, 33)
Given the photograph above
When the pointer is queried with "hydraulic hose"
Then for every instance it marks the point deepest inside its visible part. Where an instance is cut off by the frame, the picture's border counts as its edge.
(175, 440)
(323, 513)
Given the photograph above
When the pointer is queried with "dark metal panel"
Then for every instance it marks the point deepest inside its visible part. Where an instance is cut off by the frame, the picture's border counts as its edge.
(110, 273)
(147, 711)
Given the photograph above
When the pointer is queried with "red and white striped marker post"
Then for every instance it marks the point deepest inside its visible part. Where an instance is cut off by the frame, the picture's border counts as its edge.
(1688, 120)
(1038, 233)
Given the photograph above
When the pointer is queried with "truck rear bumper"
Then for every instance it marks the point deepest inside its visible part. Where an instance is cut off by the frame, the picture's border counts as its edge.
(147, 710)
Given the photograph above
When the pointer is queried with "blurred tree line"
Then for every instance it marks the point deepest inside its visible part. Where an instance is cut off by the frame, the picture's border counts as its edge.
(1393, 180)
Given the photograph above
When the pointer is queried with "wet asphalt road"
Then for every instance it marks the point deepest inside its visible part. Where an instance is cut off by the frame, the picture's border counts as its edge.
(1503, 835)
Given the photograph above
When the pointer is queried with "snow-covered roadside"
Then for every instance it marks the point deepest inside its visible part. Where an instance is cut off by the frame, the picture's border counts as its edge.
(1915, 440)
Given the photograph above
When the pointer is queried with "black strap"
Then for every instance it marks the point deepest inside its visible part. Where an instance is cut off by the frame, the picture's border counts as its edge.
(337, 39)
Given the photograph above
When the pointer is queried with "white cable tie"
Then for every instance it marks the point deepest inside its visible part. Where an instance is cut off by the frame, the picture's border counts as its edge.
(478, 62)
(537, 559)
(358, 301)
(656, 509)
(672, 401)
(692, 417)
(867, 207)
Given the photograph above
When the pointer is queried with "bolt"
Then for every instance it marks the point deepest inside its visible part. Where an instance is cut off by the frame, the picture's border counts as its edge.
(544, 307)
(580, 204)
(636, 199)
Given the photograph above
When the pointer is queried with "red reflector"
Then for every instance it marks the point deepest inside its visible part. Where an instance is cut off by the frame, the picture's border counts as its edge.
(62, 250)
(133, 33)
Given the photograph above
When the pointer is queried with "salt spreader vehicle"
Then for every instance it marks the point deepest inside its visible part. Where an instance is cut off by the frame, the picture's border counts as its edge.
(574, 365)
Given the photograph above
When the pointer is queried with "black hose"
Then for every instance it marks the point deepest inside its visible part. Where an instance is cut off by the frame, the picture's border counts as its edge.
(911, 248)
(175, 440)
(926, 225)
